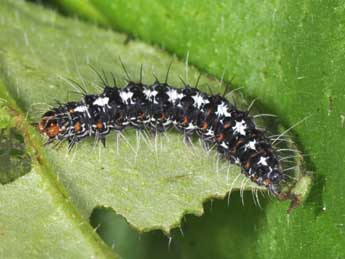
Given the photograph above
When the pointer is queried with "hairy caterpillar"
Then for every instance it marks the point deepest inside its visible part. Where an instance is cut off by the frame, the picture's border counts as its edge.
(160, 106)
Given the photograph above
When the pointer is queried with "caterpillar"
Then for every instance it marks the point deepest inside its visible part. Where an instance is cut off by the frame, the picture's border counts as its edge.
(158, 107)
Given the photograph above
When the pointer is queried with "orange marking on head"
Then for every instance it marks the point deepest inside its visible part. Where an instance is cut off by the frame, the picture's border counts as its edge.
(52, 130)
(204, 125)
(77, 126)
(71, 110)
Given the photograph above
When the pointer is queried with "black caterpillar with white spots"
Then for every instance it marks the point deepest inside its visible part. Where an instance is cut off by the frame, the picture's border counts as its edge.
(158, 107)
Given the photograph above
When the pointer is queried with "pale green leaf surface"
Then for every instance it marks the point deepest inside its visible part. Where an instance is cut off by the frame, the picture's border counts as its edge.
(35, 224)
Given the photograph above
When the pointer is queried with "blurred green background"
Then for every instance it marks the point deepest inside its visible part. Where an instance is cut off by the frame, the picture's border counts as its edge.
(289, 54)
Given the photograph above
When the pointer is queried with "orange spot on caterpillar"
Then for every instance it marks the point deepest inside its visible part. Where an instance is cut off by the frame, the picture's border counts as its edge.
(227, 125)
(185, 120)
(220, 137)
(247, 165)
(238, 143)
(141, 115)
(77, 126)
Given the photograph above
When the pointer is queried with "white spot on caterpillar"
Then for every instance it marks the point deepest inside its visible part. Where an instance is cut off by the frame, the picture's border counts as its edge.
(209, 132)
(101, 101)
(250, 145)
(174, 95)
(167, 122)
(263, 161)
(240, 127)
(153, 93)
(125, 96)
(81, 108)
(147, 93)
(199, 100)
(191, 126)
(222, 110)
(224, 145)
(237, 161)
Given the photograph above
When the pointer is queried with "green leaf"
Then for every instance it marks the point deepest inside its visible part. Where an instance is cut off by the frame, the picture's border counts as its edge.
(291, 55)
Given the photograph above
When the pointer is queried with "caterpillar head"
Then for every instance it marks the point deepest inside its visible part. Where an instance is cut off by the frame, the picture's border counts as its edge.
(48, 125)
(54, 125)
(275, 179)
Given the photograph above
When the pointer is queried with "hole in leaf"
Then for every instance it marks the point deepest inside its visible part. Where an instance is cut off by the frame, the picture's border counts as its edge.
(14, 161)
(129, 243)
(221, 231)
